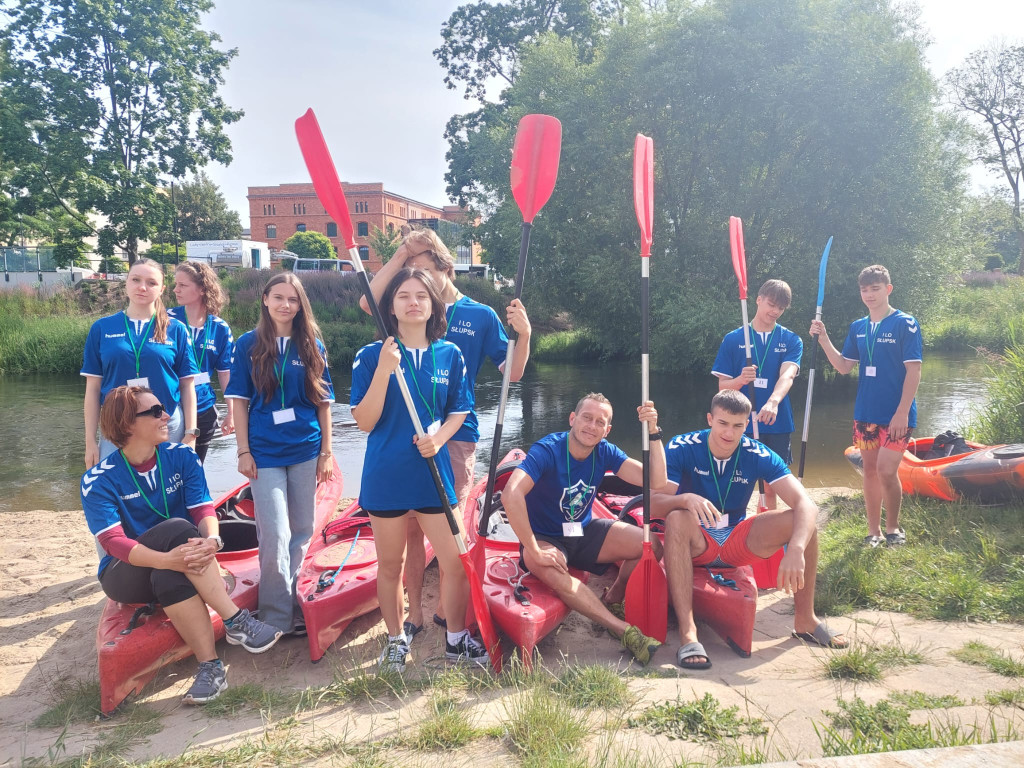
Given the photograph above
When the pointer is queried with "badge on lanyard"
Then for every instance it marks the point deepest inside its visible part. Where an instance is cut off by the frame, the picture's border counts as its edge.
(284, 415)
(572, 529)
(433, 427)
(142, 381)
(869, 370)
(201, 378)
(723, 522)
(761, 383)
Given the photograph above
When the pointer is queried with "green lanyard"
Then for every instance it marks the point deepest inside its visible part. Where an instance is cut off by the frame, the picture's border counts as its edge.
(415, 383)
(284, 366)
(131, 473)
(714, 476)
(871, 336)
(131, 340)
(201, 361)
(448, 323)
(568, 472)
(767, 346)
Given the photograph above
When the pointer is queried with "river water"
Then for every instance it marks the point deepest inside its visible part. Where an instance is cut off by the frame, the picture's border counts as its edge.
(42, 437)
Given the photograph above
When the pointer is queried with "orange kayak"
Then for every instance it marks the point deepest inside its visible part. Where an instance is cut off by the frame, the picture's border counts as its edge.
(988, 473)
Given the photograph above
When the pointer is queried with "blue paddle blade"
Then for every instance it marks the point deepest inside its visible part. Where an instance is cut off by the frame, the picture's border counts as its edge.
(821, 272)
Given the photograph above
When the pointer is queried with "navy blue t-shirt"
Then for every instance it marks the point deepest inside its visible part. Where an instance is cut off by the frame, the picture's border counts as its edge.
(212, 347)
(885, 347)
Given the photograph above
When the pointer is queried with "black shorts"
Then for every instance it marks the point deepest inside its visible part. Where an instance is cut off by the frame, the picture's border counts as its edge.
(207, 423)
(127, 583)
(780, 443)
(581, 552)
(392, 513)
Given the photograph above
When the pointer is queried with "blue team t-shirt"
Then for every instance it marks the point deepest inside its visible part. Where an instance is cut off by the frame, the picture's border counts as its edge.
(886, 347)
(110, 495)
(564, 492)
(395, 475)
(694, 469)
(290, 442)
(212, 347)
(109, 354)
(477, 331)
(768, 351)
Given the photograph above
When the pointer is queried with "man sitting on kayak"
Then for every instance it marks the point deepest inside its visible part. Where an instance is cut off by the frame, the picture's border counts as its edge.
(548, 501)
(712, 474)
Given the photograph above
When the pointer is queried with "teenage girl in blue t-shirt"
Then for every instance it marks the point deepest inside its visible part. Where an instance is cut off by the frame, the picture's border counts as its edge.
(396, 485)
(280, 393)
(141, 346)
(200, 300)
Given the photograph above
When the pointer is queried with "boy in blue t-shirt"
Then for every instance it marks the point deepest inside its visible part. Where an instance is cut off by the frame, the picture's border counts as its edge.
(711, 477)
(548, 501)
(776, 353)
(887, 345)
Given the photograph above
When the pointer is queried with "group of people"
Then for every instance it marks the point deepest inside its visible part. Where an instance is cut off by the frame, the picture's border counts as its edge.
(149, 419)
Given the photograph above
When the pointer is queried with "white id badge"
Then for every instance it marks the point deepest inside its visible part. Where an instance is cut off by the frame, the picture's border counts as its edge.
(869, 370)
(572, 529)
(201, 378)
(284, 416)
(433, 427)
(761, 383)
(142, 381)
(723, 522)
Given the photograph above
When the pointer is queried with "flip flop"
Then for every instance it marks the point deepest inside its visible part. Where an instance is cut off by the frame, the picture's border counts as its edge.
(824, 637)
(897, 539)
(440, 622)
(692, 650)
(411, 630)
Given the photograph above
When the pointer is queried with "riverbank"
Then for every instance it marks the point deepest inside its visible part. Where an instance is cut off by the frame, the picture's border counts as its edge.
(592, 707)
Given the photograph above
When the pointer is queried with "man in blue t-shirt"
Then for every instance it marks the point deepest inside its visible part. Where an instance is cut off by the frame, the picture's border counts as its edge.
(548, 500)
(711, 477)
(776, 353)
(887, 346)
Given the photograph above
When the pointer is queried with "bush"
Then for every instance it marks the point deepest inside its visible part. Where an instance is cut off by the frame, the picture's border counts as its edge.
(1001, 420)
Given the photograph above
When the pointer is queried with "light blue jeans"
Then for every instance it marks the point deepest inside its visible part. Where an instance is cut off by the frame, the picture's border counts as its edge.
(285, 500)
(175, 431)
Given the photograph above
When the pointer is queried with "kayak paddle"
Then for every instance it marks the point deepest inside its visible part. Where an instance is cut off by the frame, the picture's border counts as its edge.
(814, 358)
(328, 189)
(533, 173)
(739, 266)
(646, 590)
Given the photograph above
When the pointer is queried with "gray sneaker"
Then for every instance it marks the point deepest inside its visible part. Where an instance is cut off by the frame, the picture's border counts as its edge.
(392, 658)
(251, 633)
(210, 681)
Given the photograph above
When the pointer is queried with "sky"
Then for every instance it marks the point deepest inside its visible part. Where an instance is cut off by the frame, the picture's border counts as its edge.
(367, 70)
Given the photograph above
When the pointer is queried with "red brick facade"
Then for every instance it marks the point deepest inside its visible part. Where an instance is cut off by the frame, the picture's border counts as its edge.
(275, 214)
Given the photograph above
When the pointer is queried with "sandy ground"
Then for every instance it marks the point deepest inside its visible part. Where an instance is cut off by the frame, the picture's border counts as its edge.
(50, 602)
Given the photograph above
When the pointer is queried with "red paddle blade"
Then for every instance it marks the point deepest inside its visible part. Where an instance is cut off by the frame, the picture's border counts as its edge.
(647, 597)
(739, 257)
(643, 190)
(535, 162)
(324, 176)
(483, 615)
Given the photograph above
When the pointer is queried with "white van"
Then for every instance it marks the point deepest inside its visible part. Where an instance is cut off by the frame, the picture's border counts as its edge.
(294, 263)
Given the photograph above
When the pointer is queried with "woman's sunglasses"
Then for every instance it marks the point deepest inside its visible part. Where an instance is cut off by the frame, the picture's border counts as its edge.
(156, 412)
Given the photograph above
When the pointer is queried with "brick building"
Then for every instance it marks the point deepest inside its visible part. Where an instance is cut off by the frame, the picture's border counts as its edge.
(276, 213)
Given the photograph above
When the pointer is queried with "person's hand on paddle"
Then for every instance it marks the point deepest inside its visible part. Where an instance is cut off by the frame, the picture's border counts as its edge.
(516, 317)
(428, 445)
(818, 330)
(747, 375)
(199, 553)
(390, 356)
(707, 514)
(648, 414)
(769, 412)
(791, 570)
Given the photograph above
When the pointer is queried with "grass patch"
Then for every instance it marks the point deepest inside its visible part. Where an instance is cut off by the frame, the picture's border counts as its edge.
(75, 701)
(1012, 697)
(565, 346)
(962, 561)
(982, 655)
(976, 316)
(919, 700)
(868, 661)
(543, 732)
(703, 719)
(251, 697)
(446, 725)
(592, 687)
(1001, 419)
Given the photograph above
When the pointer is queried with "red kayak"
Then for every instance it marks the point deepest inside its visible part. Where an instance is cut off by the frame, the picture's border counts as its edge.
(134, 642)
(338, 580)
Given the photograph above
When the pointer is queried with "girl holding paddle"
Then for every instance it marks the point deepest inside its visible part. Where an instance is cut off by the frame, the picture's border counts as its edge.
(200, 299)
(281, 394)
(396, 483)
(141, 346)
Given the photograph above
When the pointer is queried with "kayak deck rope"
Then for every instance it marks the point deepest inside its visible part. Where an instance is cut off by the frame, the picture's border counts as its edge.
(142, 610)
(327, 579)
(721, 580)
(516, 581)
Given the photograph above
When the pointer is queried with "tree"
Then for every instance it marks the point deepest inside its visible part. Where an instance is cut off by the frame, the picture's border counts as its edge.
(115, 97)
(203, 213)
(311, 245)
(989, 233)
(384, 242)
(990, 88)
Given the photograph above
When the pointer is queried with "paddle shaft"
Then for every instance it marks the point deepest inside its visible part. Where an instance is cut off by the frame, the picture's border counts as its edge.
(753, 391)
(810, 396)
(645, 382)
(506, 379)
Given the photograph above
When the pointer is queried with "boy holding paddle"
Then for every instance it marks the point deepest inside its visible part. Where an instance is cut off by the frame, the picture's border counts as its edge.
(776, 354)
(887, 345)
(548, 500)
(711, 477)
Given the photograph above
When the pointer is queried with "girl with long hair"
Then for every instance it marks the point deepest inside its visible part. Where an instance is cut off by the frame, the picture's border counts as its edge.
(280, 393)
(140, 346)
(149, 508)
(200, 301)
(396, 483)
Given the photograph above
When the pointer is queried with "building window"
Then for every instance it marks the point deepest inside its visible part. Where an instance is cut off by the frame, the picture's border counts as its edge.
(300, 227)
(391, 208)
(273, 210)
(332, 229)
(271, 231)
(363, 229)
(391, 228)
(364, 252)
(401, 211)
(299, 209)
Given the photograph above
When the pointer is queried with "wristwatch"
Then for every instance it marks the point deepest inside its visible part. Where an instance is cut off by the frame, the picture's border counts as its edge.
(218, 541)
(194, 432)
(656, 435)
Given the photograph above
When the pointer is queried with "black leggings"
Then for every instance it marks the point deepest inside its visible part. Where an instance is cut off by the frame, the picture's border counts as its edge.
(127, 583)
(207, 423)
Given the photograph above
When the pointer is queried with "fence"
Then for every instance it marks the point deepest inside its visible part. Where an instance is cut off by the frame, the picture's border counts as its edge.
(34, 259)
